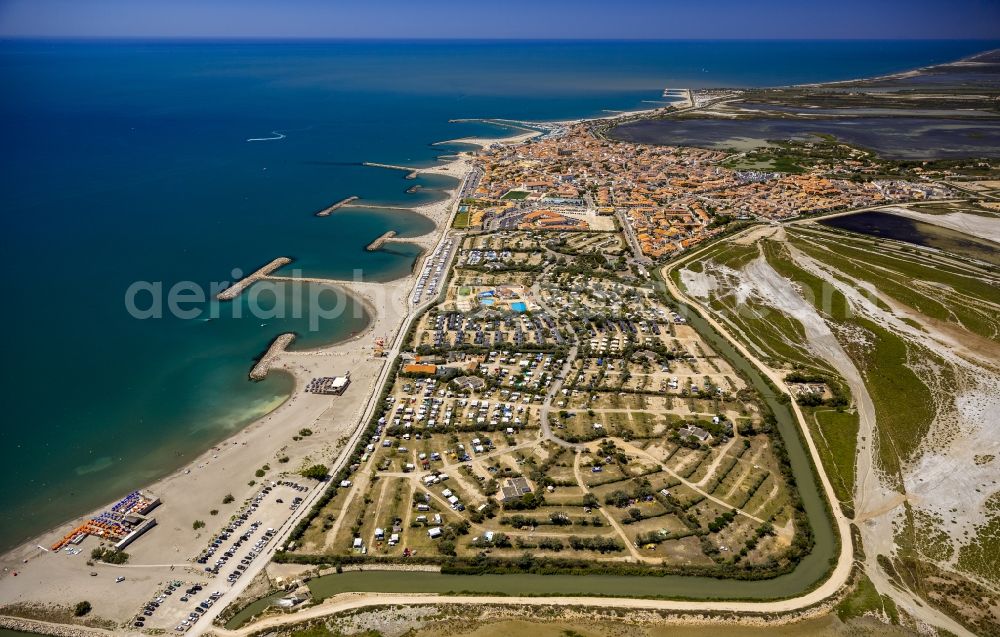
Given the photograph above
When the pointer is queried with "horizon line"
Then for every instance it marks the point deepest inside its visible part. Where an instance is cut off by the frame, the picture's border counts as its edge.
(273, 38)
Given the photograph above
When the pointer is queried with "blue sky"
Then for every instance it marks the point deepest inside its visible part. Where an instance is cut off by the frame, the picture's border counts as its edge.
(583, 19)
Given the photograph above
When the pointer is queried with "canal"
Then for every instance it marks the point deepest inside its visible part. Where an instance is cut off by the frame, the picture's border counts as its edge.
(808, 574)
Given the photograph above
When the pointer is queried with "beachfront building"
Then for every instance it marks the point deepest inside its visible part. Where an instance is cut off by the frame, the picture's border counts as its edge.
(334, 385)
(123, 523)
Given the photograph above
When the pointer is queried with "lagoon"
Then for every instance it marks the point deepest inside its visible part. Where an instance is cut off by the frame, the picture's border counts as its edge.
(892, 137)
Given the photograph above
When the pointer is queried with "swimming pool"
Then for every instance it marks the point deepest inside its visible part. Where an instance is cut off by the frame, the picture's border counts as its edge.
(486, 301)
(519, 307)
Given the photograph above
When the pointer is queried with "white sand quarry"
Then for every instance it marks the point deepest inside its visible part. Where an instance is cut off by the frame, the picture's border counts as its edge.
(950, 478)
(944, 478)
(698, 284)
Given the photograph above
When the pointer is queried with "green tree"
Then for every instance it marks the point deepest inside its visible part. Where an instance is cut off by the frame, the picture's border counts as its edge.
(617, 498)
(316, 472)
(446, 547)
(109, 555)
(82, 609)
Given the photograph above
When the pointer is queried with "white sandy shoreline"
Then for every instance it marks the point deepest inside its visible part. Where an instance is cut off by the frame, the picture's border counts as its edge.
(192, 490)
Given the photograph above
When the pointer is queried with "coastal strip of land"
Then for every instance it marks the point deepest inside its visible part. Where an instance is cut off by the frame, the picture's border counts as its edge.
(264, 435)
(344, 415)
(782, 613)
(331, 421)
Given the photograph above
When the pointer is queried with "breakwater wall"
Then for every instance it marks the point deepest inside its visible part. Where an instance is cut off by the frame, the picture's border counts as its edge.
(325, 212)
(377, 207)
(278, 345)
(378, 243)
(39, 627)
(411, 172)
(237, 288)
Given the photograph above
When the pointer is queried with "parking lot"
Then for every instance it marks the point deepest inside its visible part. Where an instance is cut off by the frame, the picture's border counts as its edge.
(179, 605)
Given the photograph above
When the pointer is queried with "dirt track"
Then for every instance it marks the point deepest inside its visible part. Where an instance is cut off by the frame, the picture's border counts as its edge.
(871, 496)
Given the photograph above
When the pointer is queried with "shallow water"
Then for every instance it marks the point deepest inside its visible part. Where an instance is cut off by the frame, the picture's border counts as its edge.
(902, 137)
(890, 226)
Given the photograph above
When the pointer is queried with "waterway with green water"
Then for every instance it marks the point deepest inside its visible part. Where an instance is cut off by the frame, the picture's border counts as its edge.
(808, 574)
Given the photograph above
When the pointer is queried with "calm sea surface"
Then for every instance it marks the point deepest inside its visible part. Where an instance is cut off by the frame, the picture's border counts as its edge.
(129, 161)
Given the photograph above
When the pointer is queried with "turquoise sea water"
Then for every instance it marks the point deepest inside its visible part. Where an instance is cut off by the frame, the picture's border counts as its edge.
(129, 161)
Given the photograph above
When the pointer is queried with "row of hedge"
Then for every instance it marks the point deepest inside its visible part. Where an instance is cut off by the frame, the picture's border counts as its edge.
(359, 449)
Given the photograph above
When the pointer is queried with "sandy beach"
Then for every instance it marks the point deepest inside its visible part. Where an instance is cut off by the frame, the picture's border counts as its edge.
(31, 575)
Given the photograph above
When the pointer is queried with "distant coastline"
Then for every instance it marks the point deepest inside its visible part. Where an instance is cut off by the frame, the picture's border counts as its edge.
(306, 211)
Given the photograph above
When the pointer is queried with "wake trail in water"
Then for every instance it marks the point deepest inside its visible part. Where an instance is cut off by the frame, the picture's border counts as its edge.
(277, 135)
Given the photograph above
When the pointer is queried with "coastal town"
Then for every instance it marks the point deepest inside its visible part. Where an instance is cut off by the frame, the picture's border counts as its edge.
(668, 199)
(532, 398)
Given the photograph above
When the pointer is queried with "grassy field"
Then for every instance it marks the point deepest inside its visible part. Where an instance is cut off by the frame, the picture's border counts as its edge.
(980, 557)
(461, 221)
(515, 195)
(892, 385)
(835, 431)
(829, 302)
(779, 339)
(864, 599)
(903, 378)
(937, 286)
(885, 360)
(836, 435)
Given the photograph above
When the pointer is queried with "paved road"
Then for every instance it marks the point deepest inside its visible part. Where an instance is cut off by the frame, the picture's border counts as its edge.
(543, 413)
(341, 603)
(633, 242)
(413, 312)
